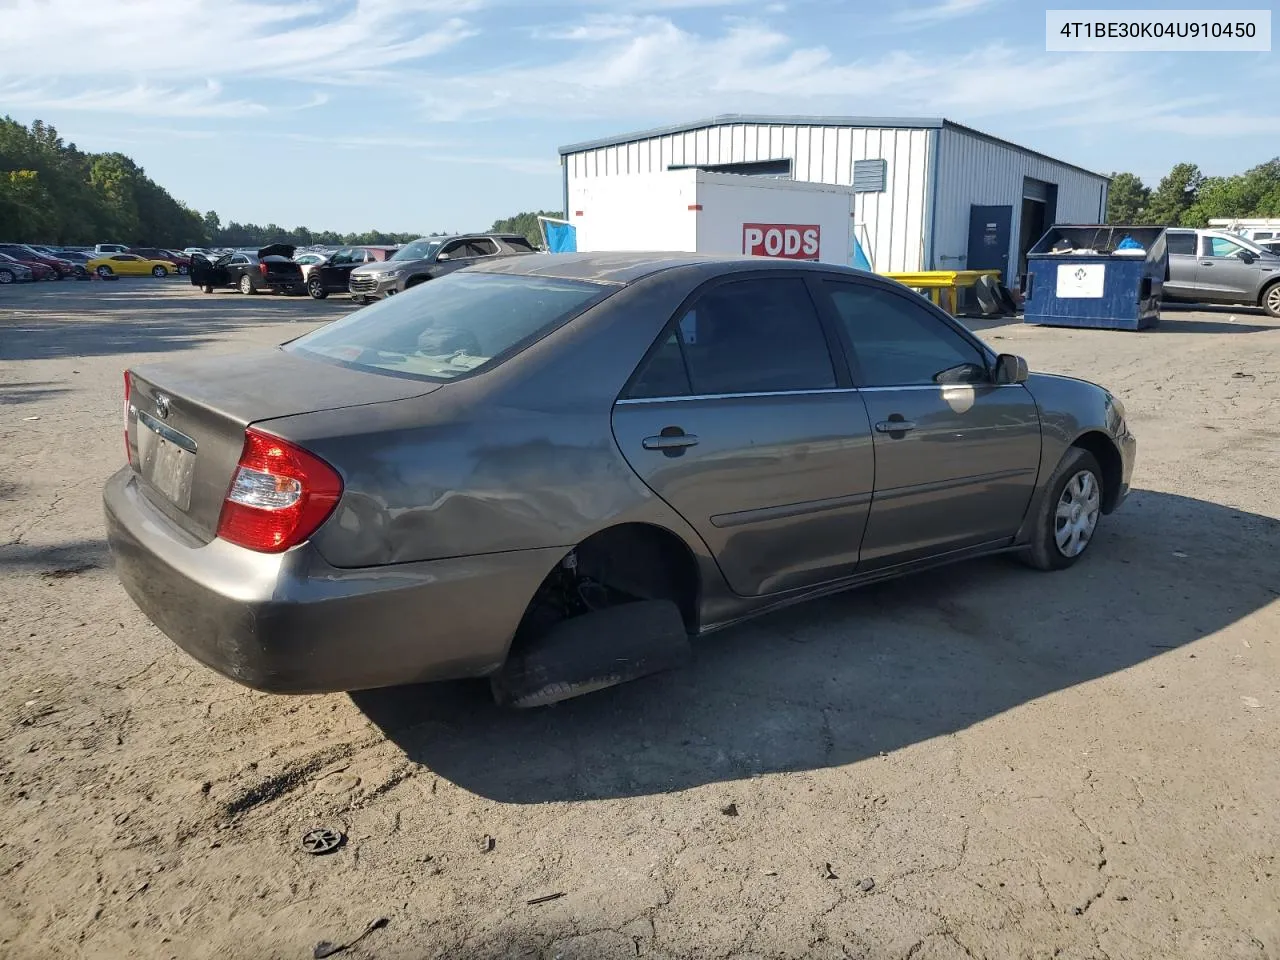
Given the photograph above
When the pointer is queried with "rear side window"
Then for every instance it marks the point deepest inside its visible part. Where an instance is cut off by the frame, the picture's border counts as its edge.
(899, 343)
(1182, 243)
(451, 326)
(747, 336)
(519, 244)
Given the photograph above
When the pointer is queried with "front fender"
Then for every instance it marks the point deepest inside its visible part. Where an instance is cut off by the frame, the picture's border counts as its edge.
(1072, 411)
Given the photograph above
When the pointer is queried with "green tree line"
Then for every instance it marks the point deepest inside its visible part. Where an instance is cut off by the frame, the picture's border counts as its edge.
(52, 192)
(1186, 197)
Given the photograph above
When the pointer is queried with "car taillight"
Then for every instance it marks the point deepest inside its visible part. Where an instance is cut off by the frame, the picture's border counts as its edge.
(128, 390)
(279, 496)
(262, 268)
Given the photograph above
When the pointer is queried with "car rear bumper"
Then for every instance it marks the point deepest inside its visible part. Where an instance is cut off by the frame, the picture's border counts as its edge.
(291, 623)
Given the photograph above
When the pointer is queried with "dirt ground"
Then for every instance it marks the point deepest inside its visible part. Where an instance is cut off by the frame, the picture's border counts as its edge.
(980, 762)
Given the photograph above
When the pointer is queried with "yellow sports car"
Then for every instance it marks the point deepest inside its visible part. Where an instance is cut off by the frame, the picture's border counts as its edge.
(129, 265)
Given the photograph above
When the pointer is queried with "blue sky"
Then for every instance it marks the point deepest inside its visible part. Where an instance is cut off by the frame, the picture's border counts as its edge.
(423, 115)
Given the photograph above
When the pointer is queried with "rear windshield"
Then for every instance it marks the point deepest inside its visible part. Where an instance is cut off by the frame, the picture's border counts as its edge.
(451, 326)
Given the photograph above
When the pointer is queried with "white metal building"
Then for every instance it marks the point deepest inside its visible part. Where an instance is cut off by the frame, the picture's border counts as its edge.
(930, 194)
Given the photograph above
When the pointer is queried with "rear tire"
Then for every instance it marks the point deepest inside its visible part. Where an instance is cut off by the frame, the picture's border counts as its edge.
(246, 285)
(594, 651)
(1270, 300)
(103, 271)
(182, 271)
(207, 288)
(1073, 500)
(6, 276)
(316, 289)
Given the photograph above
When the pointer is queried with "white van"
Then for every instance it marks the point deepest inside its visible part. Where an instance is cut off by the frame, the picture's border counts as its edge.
(105, 248)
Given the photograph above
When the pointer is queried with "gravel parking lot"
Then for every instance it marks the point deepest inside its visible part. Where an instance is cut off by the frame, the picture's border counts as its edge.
(979, 762)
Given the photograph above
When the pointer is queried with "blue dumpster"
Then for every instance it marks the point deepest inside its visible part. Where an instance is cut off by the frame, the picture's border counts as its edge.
(1107, 277)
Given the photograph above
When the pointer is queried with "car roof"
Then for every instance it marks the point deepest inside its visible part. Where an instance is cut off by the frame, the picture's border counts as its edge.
(623, 268)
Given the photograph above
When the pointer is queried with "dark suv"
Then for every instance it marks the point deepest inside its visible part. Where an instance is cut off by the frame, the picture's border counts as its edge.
(431, 257)
(332, 275)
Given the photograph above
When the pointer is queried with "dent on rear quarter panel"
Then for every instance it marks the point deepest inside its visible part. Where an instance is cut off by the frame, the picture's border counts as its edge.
(521, 457)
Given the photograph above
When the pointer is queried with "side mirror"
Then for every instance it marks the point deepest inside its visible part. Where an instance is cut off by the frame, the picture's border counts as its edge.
(1247, 256)
(1010, 369)
(442, 257)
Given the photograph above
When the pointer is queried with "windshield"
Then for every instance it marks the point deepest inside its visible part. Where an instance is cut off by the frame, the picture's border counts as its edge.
(451, 326)
(418, 250)
(1247, 244)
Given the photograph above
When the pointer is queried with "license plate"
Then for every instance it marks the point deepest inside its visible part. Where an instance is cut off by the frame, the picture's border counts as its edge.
(167, 459)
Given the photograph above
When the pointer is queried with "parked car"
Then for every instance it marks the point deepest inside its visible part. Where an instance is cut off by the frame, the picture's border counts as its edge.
(309, 261)
(1271, 246)
(130, 265)
(597, 455)
(1213, 266)
(270, 268)
(431, 257)
(182, 264)
(27, 254)
(38, 268)
(79, 260)
(13, 271)
(332, 275)
(105, 248)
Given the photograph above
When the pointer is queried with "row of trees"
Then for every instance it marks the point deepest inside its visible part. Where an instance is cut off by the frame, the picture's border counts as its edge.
(1186, 197)
(52, 192)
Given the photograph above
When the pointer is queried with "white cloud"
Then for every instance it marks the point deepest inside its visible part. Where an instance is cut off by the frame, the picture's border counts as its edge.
(142, 99)
(647, 68)
(71, 53)
(947, 10)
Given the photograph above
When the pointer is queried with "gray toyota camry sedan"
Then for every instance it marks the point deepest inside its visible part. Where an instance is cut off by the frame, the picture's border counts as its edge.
(553, 471)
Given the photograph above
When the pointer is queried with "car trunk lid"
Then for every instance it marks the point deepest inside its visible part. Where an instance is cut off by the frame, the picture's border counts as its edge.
(187, 418)
(278, 268)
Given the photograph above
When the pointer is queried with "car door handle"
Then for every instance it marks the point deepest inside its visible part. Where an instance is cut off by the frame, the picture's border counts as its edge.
(895, 426)
(1206, 263)
(670, 442)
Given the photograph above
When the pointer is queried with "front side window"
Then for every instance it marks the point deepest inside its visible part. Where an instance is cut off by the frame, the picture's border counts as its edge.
(1222, 247)
(898, 342)
(451, 326)
(455, 250)
(746, 336)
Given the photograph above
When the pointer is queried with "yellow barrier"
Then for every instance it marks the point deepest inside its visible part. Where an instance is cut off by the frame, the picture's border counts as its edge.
(937, 281)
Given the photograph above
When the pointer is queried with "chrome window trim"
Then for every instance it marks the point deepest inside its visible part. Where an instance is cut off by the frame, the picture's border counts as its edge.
(807, 393)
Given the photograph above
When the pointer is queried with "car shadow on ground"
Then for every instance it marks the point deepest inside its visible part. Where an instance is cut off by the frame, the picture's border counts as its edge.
(28, 392)
(43, 325)
(74, 556)
(844, 678)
